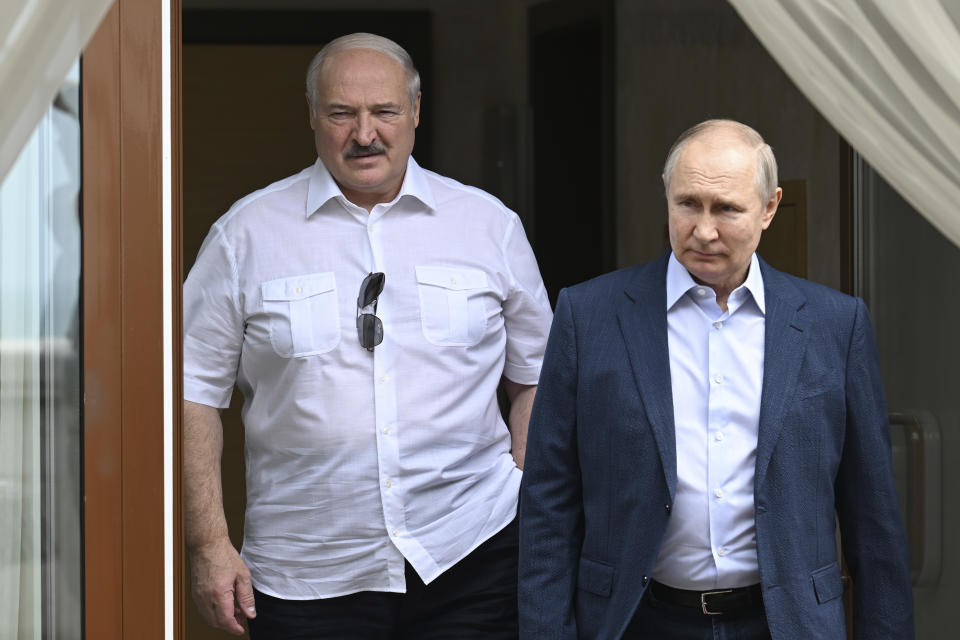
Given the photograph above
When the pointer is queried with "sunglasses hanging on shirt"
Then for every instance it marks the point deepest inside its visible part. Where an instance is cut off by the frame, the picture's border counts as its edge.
(369, 326)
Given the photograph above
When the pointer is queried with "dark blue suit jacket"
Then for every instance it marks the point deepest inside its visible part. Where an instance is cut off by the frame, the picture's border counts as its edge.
(601, 471)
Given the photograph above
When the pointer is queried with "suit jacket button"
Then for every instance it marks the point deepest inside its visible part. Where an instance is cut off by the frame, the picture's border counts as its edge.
(667, 507)
(644, 580)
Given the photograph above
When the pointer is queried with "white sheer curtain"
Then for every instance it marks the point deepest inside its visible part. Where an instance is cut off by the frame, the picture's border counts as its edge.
(886, 75)
(39, 42)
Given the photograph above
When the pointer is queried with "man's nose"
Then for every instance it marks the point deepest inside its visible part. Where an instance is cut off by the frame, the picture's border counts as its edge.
(366, 131)
(705, 230)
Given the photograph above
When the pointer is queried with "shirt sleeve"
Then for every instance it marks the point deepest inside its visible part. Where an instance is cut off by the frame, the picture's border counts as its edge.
(212, 324)
(526, 311)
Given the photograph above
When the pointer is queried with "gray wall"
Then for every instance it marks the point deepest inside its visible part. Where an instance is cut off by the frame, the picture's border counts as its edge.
(683, 62)
(910, 279)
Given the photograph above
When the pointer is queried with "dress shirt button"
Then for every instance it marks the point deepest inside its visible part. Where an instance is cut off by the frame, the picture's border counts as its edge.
(719, 436)
(722, 551)
(386, 431)
(389, 483)
(298, 290)
(383, 378)
(718, 492)
(701, 292)
(718, 379)
(453, 281)
(395, 533)
(718, 324)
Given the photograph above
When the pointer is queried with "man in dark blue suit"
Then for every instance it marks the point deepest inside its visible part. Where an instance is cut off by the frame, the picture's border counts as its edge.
(702, 423)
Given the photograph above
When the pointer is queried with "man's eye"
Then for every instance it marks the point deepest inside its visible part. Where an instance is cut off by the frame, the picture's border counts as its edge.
(339, 115)
(386, 113)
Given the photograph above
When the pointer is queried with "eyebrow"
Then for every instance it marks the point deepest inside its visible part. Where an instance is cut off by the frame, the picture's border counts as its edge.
(346, 107)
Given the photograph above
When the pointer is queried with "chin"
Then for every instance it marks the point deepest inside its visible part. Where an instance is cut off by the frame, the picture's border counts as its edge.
(709, 277)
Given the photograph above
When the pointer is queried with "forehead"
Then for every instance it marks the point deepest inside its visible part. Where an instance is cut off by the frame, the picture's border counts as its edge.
(361, 73)
(716, 163)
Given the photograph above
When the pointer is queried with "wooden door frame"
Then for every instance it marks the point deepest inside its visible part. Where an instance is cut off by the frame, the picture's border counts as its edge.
(123, 323)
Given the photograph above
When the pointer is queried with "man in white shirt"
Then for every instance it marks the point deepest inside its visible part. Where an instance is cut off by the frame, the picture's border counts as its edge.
(368, 309)
(700, 423)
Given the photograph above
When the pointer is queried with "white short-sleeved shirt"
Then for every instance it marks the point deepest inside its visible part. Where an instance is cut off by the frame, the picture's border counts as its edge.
(357, 460)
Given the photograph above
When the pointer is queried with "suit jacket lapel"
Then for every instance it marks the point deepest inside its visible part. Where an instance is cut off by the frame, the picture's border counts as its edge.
(642, 315)
(784, 344)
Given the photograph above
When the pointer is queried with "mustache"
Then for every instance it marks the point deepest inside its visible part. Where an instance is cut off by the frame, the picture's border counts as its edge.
(357, 151)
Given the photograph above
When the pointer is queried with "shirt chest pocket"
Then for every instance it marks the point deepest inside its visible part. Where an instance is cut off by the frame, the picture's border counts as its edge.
(452, 308)
(303, 314)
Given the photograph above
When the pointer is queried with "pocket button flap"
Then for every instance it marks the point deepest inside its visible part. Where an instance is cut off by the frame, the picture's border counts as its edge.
(450, 278)
(298, 287)
(827, 583)
(595, 577)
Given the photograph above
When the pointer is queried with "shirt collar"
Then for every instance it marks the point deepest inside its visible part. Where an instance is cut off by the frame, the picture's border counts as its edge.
(754, 283)
(323, 188)
(679, 282)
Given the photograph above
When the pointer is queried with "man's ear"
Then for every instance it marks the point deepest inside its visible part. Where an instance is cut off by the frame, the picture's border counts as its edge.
(771, 209)
(416, 110)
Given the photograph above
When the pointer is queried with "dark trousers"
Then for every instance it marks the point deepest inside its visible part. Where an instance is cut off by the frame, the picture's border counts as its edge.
(476, 598)
(658, 620)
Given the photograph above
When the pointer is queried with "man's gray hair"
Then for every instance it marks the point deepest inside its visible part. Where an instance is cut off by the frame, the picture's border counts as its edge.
(363, 41)
(766, 175)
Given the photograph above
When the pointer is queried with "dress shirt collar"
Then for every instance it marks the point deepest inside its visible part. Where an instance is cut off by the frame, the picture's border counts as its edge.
(679, 282)
(323, 188)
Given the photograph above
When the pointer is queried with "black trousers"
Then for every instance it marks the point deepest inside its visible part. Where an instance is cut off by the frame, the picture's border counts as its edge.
(474, 599)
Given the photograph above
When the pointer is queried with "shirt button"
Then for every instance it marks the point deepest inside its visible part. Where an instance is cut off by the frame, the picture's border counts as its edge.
(395, 533)
(718, 492)
(718, 324)
(383, 378)
(298, 290)
(722, 551)
(386, 431)
(701, 292)
(719, 436)
(718, 379)
(389, 483)
(453, 281)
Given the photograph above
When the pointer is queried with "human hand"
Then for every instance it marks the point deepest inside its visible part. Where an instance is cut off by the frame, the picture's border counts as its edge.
(221, 584)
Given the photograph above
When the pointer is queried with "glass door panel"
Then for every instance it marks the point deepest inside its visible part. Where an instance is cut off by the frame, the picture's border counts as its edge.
(40, 421)
(908, 274)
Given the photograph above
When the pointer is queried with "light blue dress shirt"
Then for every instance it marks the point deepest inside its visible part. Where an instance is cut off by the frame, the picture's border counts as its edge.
(716, 373)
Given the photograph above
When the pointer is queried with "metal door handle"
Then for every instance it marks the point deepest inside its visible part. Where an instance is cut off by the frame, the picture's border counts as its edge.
(923, 486)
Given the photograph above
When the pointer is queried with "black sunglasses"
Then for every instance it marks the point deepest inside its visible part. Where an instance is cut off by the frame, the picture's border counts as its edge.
(369, 327)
